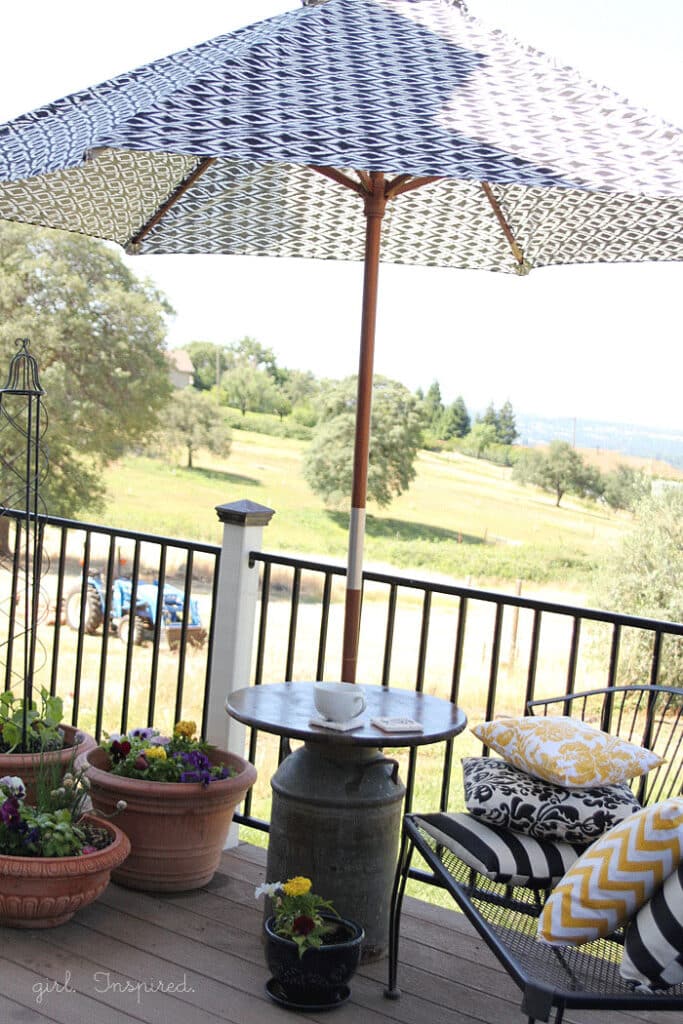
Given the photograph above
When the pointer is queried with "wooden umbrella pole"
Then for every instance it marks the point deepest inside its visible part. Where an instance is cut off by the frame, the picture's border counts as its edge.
(375, 204)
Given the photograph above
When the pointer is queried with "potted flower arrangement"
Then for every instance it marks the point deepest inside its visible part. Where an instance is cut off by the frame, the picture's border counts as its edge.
(54, 857)
(31, 735)
(180, 796)
(311, 951)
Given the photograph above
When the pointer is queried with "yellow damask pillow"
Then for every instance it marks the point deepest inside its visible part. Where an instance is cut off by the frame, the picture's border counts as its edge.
(566, 751)
(615, 876)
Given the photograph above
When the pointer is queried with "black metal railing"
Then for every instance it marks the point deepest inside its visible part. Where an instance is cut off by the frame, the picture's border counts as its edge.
(116, 637)
(487, 651)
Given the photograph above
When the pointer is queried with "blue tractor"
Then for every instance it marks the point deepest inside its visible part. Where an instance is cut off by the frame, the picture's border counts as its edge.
(146, 609)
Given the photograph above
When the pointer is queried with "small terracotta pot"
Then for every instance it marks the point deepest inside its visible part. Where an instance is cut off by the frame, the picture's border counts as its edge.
(177, 830)
(26, 766)
(42, 892)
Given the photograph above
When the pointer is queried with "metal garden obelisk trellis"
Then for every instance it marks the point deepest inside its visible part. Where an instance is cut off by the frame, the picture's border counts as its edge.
(22, 426)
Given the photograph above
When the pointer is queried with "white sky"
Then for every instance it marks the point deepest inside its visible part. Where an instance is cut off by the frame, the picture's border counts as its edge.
(600, 342)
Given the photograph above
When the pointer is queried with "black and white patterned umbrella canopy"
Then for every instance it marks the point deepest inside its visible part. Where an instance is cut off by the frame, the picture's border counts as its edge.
(228, 131)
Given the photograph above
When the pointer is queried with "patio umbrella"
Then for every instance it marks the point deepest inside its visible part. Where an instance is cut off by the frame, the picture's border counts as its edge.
(395, 130)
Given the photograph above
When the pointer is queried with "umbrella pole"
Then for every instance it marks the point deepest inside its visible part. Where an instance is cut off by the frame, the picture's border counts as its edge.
(375, 203)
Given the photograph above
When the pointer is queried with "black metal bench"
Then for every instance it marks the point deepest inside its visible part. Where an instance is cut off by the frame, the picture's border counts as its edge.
(585, 976)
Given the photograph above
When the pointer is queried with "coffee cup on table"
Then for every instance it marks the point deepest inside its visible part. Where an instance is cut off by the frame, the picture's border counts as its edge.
(338, 702)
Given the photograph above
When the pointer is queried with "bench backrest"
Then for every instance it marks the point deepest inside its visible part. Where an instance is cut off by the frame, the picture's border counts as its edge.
(651, 716)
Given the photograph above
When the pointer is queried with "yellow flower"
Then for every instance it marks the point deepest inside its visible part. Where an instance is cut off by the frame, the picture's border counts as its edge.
(297, 886)
(186, 729)
(155, 753)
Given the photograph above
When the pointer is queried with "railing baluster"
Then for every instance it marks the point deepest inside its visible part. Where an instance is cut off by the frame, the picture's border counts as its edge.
(459, 648)
(495, 660)
(324, 623)
(79, 643)
(131, 637)
(389, 635)
(293, 619)
(424, 635)
(533, 658)
(156, 643)
(573, 655)
(182, 644)
(59, 601)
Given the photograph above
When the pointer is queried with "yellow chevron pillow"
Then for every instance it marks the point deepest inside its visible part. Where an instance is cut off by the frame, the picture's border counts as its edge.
(615, 876)
(566, 751)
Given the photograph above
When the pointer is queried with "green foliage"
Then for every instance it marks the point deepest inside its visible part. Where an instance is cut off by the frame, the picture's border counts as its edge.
(42, 723)
(268, 423)
(624, 487)
(248, 388)
(456, 420)
(59, 835)
(503, 422)
(506, 426)
(50, 828)
(98, 335)
(481, 437)
(559, 470)
(195, 421)
(394, 439)
(298, 912)
(433, 409)
(209, 362)
(645, 577)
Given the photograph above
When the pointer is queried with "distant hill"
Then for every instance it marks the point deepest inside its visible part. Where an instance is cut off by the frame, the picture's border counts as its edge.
(649, 443)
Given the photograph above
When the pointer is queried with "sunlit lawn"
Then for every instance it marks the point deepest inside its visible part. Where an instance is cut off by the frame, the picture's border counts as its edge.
(461, 517)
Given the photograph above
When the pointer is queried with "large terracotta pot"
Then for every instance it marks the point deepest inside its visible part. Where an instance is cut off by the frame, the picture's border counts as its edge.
(42, 892)
(177, 830)
(26, 766)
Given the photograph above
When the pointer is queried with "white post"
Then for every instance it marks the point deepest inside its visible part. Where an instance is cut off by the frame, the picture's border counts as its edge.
(234, 619)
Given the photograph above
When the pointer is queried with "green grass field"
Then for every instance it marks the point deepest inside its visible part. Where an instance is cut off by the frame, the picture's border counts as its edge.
(462, 517)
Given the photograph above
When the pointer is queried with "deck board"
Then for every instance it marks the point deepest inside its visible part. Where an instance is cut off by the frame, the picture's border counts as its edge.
(138, 958)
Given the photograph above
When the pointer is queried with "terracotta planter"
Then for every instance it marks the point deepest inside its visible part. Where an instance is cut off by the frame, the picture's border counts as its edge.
(26, 766)
(42, 892)
(318, 979)
(177, 830)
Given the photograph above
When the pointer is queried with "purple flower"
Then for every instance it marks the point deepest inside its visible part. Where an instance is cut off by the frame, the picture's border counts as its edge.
(143, 733)
(10, 813)
(195, 759)
(159, 741)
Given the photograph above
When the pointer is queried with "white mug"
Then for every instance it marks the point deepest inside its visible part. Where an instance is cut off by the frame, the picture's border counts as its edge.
(338, 702)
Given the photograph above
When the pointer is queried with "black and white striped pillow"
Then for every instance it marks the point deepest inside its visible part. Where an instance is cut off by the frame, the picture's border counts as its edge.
(653, 944)
(500, 854)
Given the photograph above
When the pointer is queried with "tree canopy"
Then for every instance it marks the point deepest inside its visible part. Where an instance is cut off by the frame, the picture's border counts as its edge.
(394, 439)
(97, 333)
(195, 422)
(559, 470)
(645, 577)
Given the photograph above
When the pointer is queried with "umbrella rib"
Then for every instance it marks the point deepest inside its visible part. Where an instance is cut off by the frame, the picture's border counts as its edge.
(404, 183)
(180, 191)
(507, 230)
(343, 179)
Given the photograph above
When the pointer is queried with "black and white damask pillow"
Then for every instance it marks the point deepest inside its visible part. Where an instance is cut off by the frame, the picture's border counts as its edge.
(653, 944)
(500, 794)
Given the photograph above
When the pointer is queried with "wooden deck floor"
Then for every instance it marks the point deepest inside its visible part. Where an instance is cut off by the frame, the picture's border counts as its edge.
(197, 959)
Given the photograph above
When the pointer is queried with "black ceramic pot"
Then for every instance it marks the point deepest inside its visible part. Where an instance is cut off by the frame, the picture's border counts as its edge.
(320, 974)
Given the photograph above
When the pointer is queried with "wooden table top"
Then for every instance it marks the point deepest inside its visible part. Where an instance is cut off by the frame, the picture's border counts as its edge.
(285, 709)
